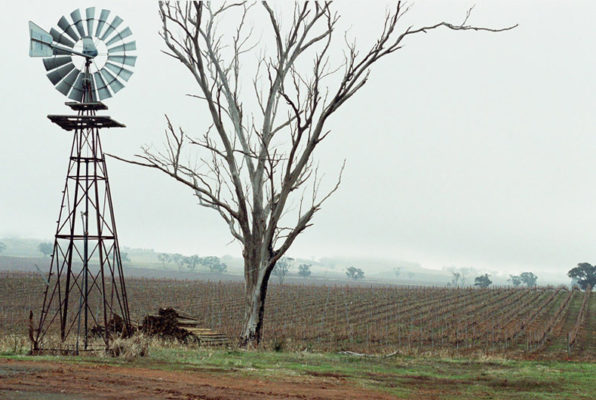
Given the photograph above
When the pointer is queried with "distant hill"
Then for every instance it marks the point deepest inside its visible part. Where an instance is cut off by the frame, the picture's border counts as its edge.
(21, 255)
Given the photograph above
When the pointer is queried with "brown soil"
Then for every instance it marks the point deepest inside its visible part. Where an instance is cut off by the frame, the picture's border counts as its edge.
(50, 380)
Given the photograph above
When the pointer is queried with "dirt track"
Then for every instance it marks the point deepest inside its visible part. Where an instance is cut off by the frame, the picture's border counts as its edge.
(49, 380)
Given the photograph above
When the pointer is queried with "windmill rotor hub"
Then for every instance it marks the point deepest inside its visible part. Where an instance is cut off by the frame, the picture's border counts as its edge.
(89, 48)
(96, 62)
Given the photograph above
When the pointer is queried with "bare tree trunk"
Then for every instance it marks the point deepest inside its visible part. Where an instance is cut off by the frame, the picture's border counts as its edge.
(257, 272)
(253, 314)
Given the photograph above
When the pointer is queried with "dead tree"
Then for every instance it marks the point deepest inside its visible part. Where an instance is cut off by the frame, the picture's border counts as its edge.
(256, 169)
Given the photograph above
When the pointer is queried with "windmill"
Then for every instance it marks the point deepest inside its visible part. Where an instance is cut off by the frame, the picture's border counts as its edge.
(88, 60)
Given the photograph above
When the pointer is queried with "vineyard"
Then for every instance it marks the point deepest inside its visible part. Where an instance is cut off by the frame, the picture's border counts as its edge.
(529, 323)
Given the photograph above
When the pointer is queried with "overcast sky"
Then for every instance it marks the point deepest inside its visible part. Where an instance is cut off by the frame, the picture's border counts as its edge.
(464, 149)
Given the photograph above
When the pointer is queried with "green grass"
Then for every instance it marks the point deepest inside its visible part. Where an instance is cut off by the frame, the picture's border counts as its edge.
(406, 377)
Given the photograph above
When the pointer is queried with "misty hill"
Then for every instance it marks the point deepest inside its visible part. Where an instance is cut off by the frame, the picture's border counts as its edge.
(22, 254)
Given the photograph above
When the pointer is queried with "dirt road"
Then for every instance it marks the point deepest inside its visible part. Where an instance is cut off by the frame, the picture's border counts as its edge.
(50, 380)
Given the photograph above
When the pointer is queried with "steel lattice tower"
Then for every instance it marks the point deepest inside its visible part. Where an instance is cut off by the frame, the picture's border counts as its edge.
(86, 283)
(88, 59)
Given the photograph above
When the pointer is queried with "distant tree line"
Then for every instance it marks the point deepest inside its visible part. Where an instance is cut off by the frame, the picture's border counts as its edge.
(283, 266)
(458, 279)
(525, 278)
(212, 263)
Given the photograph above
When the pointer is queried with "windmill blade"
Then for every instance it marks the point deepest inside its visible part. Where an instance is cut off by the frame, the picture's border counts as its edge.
(57, 74)
(90, 14)
(40, 43)
(103, 17)
(130, 46)
(66, 84)
(78, 22)
(120, 36)
(114, 83)
(101, 87)
(61, 38)
(119, 71)
(128, 60)
(89, 48)
(67, 28)
(111, 27)
(55, 62)
(78, 89)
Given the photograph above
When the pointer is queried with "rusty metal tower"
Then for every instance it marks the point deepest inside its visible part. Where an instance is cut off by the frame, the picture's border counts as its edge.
(88, 61)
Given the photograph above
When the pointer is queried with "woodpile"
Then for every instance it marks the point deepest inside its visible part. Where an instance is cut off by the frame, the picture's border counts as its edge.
(169, 324)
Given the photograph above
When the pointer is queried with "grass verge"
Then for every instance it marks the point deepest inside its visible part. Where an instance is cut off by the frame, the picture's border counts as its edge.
(403, 376)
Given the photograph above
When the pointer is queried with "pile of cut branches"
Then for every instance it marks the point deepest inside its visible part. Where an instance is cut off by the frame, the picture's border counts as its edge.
(166, 326)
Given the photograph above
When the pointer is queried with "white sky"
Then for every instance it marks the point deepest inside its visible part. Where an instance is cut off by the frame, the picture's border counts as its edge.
(465, 148)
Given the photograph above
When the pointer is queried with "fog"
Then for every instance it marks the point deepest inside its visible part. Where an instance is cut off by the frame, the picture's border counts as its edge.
(465, 149)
